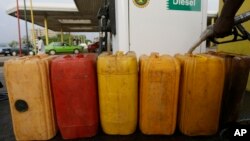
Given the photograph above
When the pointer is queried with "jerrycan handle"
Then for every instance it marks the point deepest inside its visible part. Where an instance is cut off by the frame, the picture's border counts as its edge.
(33, 57)
(67, 57)
(154, 55)
(119, 53)
(41, 56)
(79, 56)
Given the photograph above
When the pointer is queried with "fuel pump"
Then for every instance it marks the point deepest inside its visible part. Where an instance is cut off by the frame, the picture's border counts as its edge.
(107, 25)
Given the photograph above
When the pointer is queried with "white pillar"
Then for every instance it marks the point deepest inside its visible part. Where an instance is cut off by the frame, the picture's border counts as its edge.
(121, 40)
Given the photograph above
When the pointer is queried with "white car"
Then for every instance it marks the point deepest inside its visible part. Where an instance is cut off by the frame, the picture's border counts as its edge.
(84, 45)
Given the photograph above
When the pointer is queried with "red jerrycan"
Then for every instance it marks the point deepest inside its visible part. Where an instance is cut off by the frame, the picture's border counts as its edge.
(74, 85)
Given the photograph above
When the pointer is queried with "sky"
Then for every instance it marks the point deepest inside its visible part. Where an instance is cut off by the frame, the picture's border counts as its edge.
(8, 24)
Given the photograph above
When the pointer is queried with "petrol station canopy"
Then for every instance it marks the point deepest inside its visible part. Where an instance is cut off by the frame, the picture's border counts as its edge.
(78, 17)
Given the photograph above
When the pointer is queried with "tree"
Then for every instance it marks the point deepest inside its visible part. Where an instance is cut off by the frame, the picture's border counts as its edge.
(24, 40)
(13, 43)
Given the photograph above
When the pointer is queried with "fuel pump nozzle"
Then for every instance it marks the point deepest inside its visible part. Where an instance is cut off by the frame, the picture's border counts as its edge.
(238, 32)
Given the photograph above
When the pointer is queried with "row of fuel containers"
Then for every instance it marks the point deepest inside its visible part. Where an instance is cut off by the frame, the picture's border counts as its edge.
(194, 93)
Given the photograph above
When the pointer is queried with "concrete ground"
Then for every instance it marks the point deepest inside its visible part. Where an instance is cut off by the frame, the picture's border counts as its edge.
(4, 58)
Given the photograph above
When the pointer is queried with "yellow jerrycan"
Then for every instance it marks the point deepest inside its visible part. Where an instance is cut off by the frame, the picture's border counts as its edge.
(118, 92)
(28, 86)
(201, 90)
(159, 85)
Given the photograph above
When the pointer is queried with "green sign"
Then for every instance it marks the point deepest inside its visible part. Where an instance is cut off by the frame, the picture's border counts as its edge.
(186, 5)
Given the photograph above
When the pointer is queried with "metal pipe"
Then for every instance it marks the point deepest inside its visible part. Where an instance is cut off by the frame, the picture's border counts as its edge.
(19, 31)
(25, 18)
(109, 41)
(46, 30)
(33, 29)
(69, 39)
(62, 35)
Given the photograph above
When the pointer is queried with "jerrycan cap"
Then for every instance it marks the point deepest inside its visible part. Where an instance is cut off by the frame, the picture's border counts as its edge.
(21, 105)
(155, 54)
(119, 53)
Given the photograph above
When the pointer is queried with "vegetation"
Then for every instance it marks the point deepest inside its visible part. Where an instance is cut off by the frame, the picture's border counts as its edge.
(67, 38)
(13, 44)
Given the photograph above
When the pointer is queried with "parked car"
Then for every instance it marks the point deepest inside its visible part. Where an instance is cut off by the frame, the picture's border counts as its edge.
(84, 45)
(5, 49)
(24, 48)
(93, 47)
(59, 47)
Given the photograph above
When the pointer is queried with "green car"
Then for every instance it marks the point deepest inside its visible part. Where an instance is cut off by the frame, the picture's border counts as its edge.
(59, 47)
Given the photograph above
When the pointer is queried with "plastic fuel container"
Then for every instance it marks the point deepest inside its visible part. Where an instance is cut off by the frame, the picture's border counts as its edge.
(201, 89)
(237, 71)
(74, 84)
(118, 92)
(159, 85)
(30, 98)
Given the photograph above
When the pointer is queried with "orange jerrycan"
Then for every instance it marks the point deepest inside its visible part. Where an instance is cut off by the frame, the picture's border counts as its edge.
(30, 98)
(201, 88)
(159, 85)
(118, 92)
